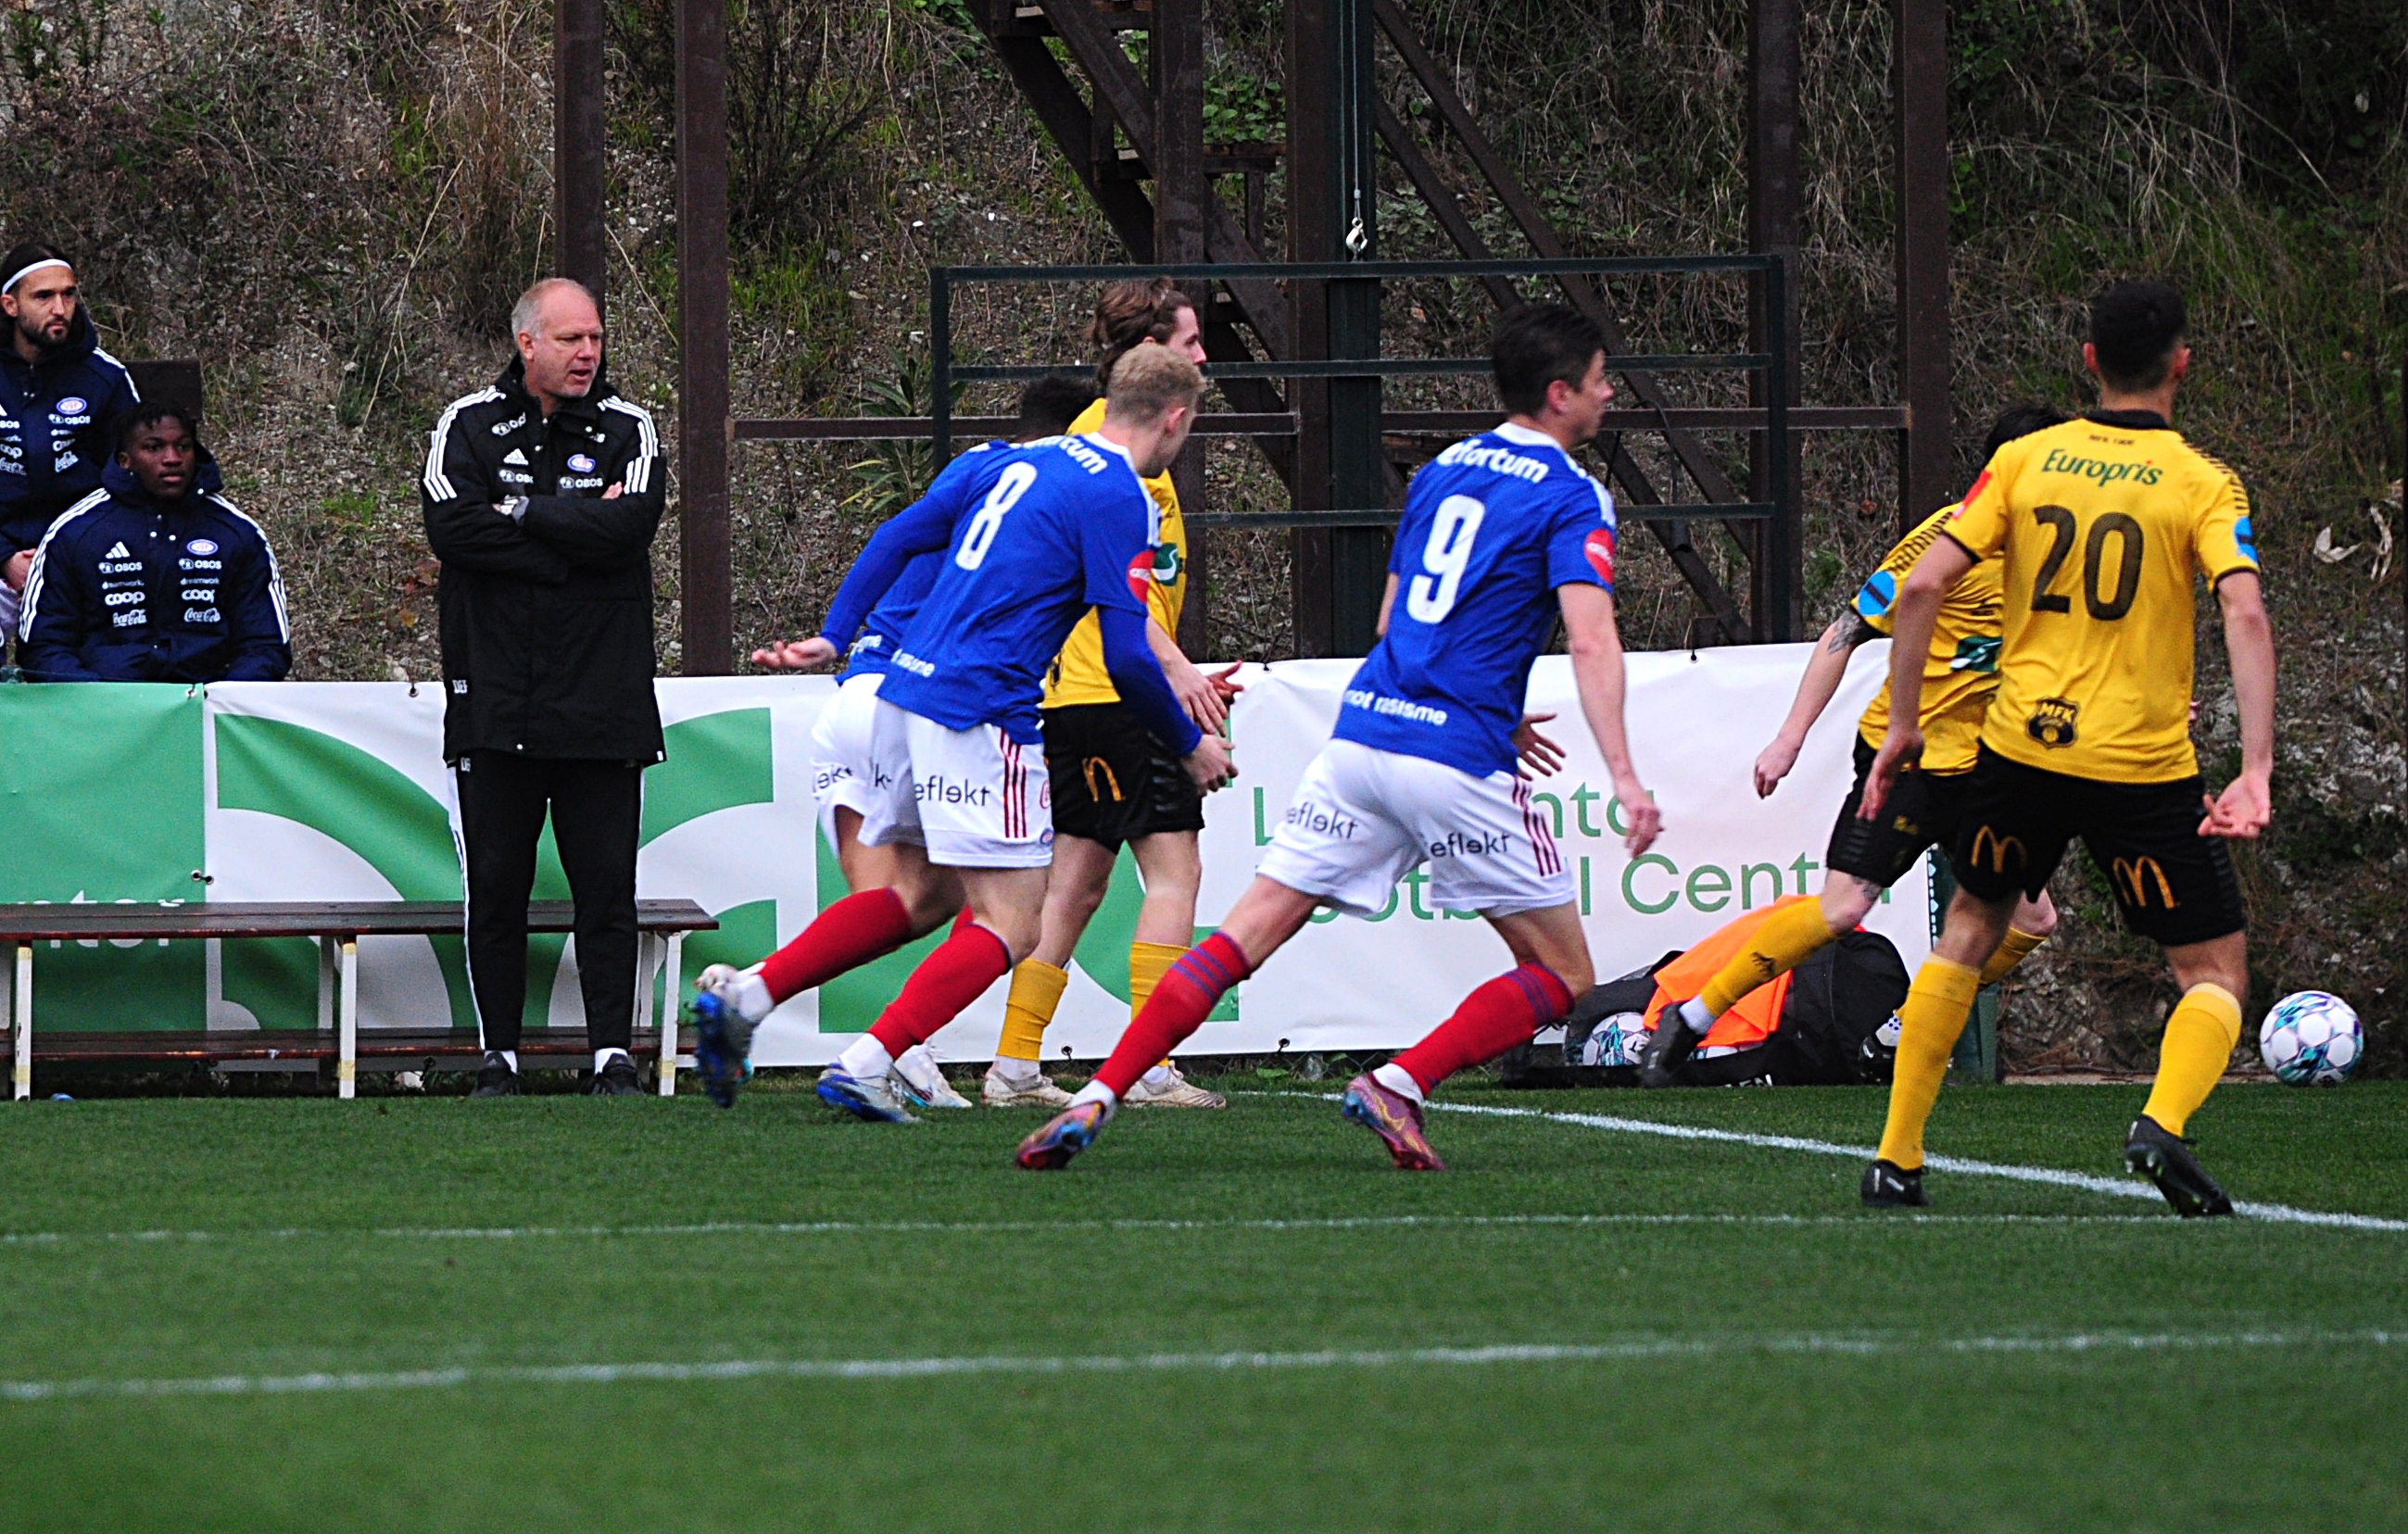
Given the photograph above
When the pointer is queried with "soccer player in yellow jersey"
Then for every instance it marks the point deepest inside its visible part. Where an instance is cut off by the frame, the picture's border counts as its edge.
(1112, 783)
(1865, 857)
(2099, 527)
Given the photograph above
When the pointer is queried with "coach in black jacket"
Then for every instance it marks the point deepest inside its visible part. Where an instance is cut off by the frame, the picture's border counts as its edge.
(543, 494)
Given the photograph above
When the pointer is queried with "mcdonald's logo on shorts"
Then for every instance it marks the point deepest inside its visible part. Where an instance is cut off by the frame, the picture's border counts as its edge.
(2001, 849)
(1093, 765)
(2133, 877)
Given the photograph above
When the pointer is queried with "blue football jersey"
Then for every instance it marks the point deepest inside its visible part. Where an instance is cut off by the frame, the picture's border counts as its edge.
(882, 630)
(1048, 531)
(1490, 529)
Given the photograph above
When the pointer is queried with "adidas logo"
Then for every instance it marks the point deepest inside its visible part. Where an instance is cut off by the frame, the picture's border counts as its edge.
(117, 551)
(515, 456)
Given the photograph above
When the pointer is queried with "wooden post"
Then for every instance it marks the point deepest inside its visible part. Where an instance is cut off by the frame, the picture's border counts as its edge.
(1919, 91)
(1772, 219)
(706, 613)
(578, 143)
(1179, 189)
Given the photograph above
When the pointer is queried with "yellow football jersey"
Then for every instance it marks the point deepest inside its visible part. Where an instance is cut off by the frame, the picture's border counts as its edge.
(1078, 674)
(2098, 528)
(1962, 671)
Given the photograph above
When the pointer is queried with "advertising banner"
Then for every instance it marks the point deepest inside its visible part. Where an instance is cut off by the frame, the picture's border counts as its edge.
(337, 791)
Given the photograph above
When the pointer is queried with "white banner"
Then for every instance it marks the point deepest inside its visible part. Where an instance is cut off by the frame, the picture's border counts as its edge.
(332, 790)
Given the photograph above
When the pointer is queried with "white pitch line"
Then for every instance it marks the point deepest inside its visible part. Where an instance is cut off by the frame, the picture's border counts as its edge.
(2111, 1187)
(907, 1368)
(978, 1227)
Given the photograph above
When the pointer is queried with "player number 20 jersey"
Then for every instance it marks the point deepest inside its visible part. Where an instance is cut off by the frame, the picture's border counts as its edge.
(1490, 529)
(2099, 527)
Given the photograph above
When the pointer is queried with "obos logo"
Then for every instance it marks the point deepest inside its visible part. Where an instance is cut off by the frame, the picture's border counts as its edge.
(580, 463)
(201, 547)
(74, 405)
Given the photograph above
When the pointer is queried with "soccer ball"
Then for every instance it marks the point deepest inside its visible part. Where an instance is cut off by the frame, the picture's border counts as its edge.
(1617, 1040)
(2312, 1039)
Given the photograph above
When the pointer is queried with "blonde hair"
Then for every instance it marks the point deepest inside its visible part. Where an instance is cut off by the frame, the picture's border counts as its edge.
(1150, 380)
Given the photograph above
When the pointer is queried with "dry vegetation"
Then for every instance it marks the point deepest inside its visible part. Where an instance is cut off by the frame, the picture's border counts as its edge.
(331, 201)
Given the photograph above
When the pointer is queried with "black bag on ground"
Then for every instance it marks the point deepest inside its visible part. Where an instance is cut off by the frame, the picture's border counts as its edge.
(1837, 1001)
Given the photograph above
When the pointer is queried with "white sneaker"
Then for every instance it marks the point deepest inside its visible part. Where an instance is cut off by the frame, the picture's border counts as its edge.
(1001, 1091)
(1178, 1092)
(917, 1077)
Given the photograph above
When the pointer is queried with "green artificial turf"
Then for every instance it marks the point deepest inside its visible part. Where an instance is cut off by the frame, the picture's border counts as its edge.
(1771, 1356)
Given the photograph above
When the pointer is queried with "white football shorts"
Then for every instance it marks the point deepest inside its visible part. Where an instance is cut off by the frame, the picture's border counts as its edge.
(1362, 819)
(976, 799)
(840, 750)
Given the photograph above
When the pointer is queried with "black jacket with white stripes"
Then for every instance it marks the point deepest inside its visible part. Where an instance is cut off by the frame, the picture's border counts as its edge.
(548, 604)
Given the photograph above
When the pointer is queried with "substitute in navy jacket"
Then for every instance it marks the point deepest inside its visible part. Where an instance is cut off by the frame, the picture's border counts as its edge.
(54, 420)
(124, 589)
(548, 610)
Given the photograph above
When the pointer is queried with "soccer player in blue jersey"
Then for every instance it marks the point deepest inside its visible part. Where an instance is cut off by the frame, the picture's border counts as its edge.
(1034, 537)
(1498, 534)
(864, 624)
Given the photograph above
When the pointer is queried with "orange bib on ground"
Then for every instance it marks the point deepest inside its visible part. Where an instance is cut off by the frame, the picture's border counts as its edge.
(1757, 1013)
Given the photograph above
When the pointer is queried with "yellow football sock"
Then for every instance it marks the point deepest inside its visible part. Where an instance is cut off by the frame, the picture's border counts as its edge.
(1783, 943)
(2011, 953)
(1035, 991)
(1929, 1022)
(1148, 964)
(2200, 1037)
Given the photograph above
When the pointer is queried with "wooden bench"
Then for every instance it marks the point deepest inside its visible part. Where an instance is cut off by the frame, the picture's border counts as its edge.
(337, 928)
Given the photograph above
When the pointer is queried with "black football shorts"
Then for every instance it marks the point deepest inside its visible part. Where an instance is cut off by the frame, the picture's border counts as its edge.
(1113, 782)
(1921, 814)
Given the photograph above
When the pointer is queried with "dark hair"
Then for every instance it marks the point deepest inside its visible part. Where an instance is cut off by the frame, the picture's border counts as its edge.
(1050, 404)
(2135, 326)
(1128, 315)
(150, 412)
(2022, 421)
(27, 252)
(1535, 346)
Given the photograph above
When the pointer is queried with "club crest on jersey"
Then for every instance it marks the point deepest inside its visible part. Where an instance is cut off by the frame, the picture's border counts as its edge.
(1599, 546)
(2052, 722)
(201, 547)
(580, 463)
(74, 405)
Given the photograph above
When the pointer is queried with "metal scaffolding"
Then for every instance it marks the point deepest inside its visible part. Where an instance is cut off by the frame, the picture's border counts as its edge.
(1135, 141)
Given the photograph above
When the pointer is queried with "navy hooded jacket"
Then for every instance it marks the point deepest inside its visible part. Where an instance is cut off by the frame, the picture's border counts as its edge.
(54, 421)
(126, 589)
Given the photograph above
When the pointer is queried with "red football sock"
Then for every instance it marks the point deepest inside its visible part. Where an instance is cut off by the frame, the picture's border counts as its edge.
(1493, 1019)
(1182, 1000)
(848, 934)
(946, 982)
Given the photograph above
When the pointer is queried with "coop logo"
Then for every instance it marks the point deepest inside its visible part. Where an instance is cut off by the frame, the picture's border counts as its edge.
(2098, 471)
(2134, 876)
(580, 463)
(73, 404)
(200, 548)
(1167, 563)
(2052, 722)
(1999, 851)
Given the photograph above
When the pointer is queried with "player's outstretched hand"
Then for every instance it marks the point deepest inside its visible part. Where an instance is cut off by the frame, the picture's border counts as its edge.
(796, 654)
(2242, 812)
(1540, 756)
(1900, 748)
(1639, 813)
(1774, 764)
(1210, 765)
(1223, 683)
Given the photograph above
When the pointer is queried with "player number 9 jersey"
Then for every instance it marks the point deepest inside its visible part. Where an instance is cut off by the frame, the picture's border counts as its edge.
(2099, 527)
